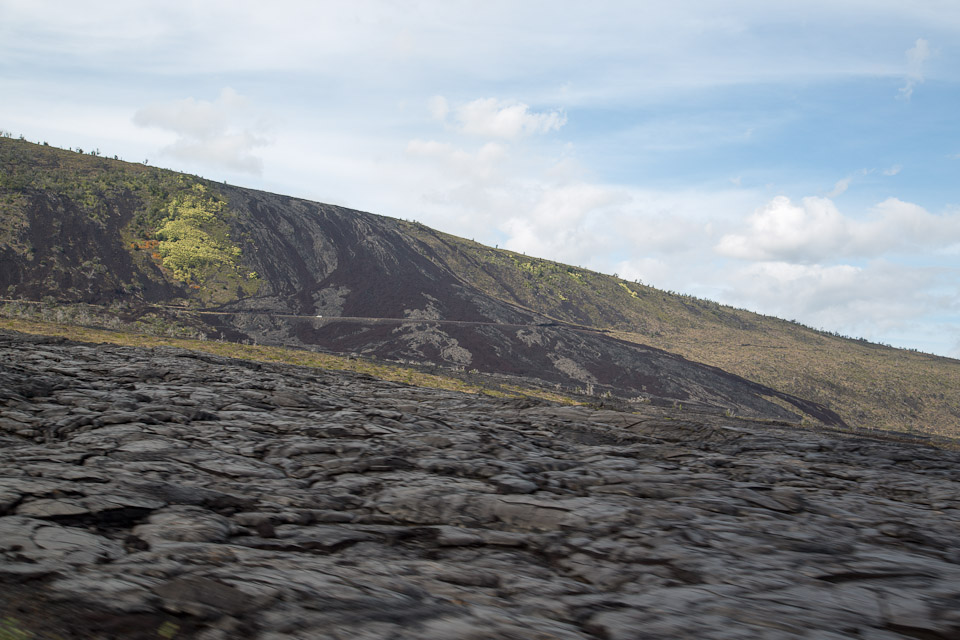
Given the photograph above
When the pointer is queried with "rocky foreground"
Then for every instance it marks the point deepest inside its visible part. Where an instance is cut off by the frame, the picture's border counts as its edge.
(163, 493)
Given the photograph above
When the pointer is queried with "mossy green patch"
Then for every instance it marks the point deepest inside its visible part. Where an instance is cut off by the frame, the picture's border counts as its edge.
(633, 294)
(194, 237)
(194, 243)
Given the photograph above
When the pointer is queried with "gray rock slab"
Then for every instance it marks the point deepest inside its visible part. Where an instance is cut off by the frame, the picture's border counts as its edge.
(236, 499)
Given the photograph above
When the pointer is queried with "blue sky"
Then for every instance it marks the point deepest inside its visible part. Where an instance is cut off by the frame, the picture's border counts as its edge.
(799, 159)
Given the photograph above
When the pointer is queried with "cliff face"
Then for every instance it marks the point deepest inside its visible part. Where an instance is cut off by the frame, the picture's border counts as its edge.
(163, 492)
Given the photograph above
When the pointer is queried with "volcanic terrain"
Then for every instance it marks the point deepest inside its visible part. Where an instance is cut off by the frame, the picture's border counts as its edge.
(166, 493)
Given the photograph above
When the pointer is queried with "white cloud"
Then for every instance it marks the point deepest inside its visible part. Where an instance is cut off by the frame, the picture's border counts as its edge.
(646, 270)
(549, 206)
(858, 275)
(892, 171)
(489, 117)
(811, 288)
(916, 56)
(815, 230)
(899, 225)
(191, 117)
(782, 230)
(207, 132)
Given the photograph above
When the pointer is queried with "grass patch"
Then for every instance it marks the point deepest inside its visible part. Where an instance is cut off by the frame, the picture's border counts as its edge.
(283, 355)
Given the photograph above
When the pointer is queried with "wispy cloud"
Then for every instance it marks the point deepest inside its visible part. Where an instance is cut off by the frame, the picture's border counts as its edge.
(916, 56)
(208, 131)
(840, 187)
(493, 118)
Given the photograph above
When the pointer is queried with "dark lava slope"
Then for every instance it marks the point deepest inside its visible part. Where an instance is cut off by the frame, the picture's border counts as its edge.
(79, 237)
(343, 263)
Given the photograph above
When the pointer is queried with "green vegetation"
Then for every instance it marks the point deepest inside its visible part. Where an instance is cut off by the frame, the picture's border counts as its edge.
(171, 324)
(93, 183)
(10, 629)
(169, 220)
(194, 243)
(633, 294)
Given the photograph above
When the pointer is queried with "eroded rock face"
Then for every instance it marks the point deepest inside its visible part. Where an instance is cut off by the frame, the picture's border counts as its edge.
(161, 493)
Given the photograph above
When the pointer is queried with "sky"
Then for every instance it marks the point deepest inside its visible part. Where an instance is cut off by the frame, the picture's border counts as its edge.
(798, 159)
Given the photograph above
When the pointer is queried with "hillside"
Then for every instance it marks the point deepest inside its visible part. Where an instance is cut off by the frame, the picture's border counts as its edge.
(866, 383)
(79, 228)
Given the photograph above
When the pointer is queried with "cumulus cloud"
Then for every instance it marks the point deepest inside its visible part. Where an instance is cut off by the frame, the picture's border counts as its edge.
(916, 56)
(806, 259)
(855, 274)
(492, 118)
(898, 225)
(208, 132)
(782, 230)
(815, 230)
(812, 287)
(646, 270)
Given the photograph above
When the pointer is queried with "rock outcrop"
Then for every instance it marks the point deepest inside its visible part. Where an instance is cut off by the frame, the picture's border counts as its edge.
(166, 493)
